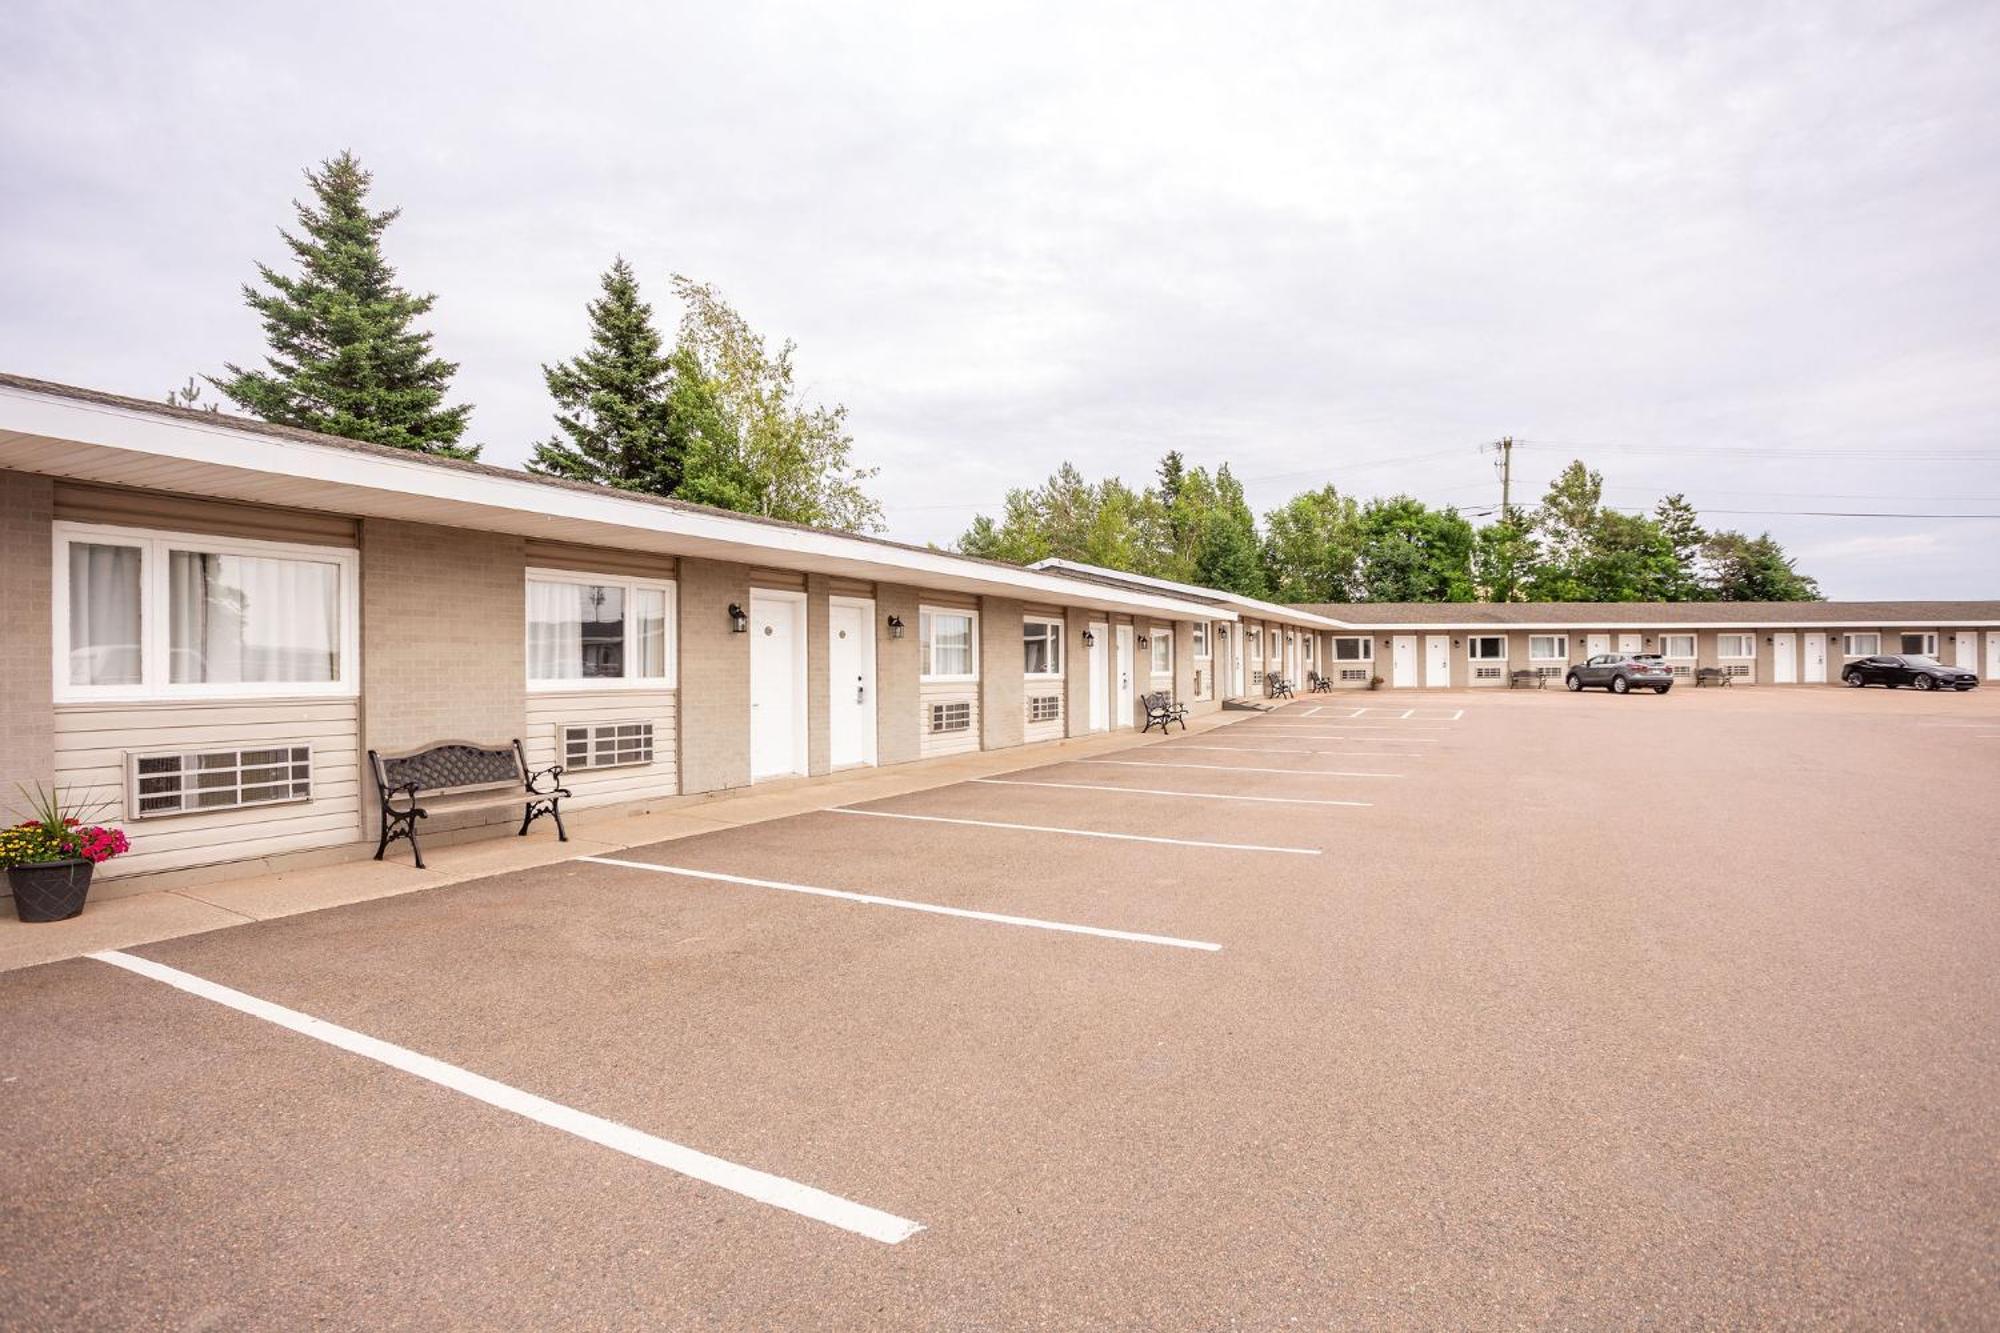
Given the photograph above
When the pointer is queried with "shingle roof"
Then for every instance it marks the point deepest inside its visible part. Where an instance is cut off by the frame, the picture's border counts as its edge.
(1886, 614)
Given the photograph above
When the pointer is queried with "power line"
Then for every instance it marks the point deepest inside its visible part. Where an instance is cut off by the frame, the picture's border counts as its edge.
(1764, 451)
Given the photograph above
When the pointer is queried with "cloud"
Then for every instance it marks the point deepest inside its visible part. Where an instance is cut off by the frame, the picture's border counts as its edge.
(1311, 241)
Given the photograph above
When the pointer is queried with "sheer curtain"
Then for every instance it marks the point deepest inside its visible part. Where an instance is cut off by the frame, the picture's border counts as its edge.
(235, 619)
(555, 631)
(104, 614)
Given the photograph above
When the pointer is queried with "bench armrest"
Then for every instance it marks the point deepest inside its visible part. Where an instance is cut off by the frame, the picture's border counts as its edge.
(552, 775)
(408, 791)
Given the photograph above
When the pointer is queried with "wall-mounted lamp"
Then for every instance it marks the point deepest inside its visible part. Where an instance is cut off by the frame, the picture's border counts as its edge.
(1454, 643)
(1142, 641)
(895, 627)
(738, 622)
(1089, 639)
(1222, 631)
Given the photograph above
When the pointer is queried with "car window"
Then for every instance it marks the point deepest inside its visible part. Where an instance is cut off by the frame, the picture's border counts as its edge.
(1647, 657)
(1919, 660)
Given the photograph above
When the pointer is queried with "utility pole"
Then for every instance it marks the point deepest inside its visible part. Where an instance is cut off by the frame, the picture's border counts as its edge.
(1504, 465)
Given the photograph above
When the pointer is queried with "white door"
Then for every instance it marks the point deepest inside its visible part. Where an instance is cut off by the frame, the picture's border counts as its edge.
(1597, 644)
(1121, 708)
(1815, 659)
(1403, 661)
(1100, 677)
(1784, 659)
(1628, 643)
(1967, 655)
(850, 684)
(777, 684)
(1992, 656)
(1437, 660)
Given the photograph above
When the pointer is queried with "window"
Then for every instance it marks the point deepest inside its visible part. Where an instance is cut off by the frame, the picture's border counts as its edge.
(1919, 644)
(143, 614)
(1860, 645)
(1045, 708)
(591, 631)
(1042, 647)
(1161, 641)
(1308, 641)
(1735, 645)
(1548, 647)
(1202, 652)
(1487, 648)
(1677, 645)
(1353, 650)
(948, 644)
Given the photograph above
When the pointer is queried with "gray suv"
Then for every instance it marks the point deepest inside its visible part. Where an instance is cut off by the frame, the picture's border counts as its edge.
(1622, 673)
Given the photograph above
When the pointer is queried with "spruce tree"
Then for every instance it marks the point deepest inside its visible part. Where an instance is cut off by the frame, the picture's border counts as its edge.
(344, 356)
(615, 403)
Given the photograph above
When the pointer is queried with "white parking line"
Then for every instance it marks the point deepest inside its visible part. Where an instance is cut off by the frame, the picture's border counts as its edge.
(1078, 832)
(1346, 754)
(749, 1182)
(1153, 791)
(1237, 768)
(876, 900)
(1303, 732)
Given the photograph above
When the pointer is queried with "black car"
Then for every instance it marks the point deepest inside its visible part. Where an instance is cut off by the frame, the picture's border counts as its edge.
(1623, 672)
(1918, 672)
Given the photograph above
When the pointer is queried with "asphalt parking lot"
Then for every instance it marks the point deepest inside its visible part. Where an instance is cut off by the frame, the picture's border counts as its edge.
(1461, 1010)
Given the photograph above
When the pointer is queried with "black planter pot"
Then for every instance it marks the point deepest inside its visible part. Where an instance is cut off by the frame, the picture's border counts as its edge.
(50, 890)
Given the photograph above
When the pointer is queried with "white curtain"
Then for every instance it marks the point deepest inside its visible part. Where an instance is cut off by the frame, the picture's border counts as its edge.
(104, 615)
(252, 620)
(555, 631)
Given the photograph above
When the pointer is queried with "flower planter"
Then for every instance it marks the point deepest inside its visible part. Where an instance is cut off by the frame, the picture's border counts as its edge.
(50, 890)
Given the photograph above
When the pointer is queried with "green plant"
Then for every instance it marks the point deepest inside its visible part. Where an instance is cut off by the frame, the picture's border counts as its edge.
(55, 830)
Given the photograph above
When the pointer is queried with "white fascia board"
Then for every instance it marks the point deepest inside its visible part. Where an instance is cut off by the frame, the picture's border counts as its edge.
(1664, 627)
(1265, 610)
(218, 445)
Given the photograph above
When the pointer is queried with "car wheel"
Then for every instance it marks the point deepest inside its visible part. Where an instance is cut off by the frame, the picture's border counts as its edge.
(1661, 689)
(1619, 685)
(1924, 683)
(1852, 678)
(1573, 684)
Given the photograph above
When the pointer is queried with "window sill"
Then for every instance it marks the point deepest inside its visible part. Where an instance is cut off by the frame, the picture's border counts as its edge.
(132, 700)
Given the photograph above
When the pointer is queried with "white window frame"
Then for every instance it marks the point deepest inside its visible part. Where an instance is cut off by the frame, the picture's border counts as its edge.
(1157, 637)
(1204, 648)
(1367, 643)
(580, 684)
(1929, 636)
(929, 647)
(1058, 650)
(1559, 644)
(1750, 639)
(155, 622)
(1473, 640)
(1667, 642)
(1847, 642)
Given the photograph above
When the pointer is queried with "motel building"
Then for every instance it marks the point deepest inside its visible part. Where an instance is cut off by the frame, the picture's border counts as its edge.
(212, 622)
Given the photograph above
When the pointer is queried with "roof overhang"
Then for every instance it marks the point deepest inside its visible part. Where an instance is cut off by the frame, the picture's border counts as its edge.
(89, 440)
(1660, 626)
(1249, 608)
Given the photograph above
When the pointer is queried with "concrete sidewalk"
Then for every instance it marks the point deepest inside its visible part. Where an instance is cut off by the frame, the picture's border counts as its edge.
(116, 922)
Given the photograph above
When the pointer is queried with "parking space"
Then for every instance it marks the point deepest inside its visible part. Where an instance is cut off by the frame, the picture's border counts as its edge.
(1492, 1009)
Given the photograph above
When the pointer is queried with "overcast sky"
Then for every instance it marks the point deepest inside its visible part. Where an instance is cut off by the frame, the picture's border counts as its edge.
(1746, 251)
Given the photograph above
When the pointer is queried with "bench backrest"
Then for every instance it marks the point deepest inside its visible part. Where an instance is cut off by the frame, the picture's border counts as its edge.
(1157, 699)
(451, 766)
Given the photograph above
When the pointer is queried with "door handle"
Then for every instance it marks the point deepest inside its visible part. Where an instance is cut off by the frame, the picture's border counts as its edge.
(861, 694)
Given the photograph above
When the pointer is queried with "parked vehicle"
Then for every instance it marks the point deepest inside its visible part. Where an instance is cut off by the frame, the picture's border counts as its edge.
(1914, 670)
(1622, 673)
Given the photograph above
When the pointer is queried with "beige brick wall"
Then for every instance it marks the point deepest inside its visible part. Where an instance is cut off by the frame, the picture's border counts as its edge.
(1184, 662)
(819, 660)
(898, 723)
(443, 641)
(1077, 681)
(27, 710)
(714, 678)
(1001, 695)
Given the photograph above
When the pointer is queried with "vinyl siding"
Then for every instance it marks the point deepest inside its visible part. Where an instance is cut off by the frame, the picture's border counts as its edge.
(932, 744)
(1036, 687)
(604, 786)
(92, 741)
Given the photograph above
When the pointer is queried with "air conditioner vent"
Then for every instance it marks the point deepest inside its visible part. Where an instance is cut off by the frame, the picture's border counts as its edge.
(606, 744)
(1045, 708)
(189, 783)
(953, 716)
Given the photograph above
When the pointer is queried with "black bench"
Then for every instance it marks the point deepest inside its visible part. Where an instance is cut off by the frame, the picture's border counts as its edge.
(453, 769)
(1162, 711)
(1711, 676)
(1529, 680)
(1280, 687)
(1318, 684)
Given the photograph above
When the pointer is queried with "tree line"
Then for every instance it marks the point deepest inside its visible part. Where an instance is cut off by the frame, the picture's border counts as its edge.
(717, 417)
(1323, 546)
